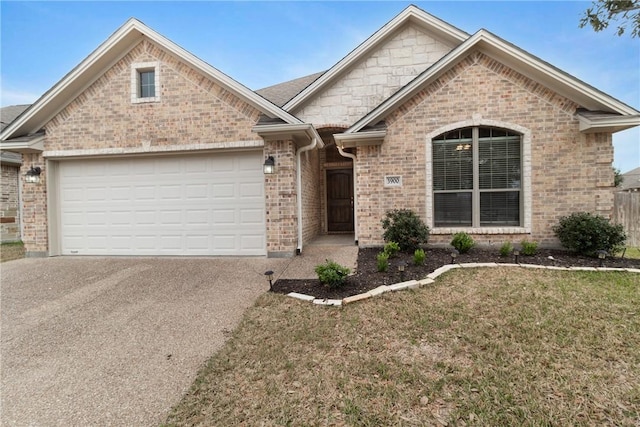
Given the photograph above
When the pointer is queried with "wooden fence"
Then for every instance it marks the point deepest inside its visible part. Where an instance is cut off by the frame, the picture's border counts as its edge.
(626, 211)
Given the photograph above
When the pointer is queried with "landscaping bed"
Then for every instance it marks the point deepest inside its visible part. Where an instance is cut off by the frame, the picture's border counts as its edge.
(366, 276)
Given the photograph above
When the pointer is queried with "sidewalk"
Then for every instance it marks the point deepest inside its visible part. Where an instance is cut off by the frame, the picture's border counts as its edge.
(338, 248)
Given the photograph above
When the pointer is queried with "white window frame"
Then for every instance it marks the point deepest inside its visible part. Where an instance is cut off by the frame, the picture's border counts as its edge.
(526, 210)
(136, 69)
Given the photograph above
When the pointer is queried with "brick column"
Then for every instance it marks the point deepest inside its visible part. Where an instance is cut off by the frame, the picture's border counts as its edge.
(281, 199)
(34, 208)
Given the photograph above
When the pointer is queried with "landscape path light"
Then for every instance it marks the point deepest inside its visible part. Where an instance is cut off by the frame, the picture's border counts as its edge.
(269, 275)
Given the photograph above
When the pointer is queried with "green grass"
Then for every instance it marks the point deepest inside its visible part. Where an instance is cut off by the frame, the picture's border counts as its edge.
(481, 347)
(11, 250)
(632, 253)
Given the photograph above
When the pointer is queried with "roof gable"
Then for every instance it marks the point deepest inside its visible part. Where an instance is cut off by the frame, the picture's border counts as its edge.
(103, 58)
(528, 65)
(410, 15)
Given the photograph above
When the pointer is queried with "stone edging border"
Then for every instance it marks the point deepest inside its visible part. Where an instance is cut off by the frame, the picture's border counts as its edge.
(431, 279)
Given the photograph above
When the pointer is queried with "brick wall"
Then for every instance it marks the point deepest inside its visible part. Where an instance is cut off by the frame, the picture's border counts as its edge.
(191, 110)
(570, 171)
(390, 66)
(34, 207)
(311, 195)
(280, 199)
(9, 200)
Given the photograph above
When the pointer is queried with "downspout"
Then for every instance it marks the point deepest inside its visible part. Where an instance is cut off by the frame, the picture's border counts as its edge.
(314, 143)
(355, 198)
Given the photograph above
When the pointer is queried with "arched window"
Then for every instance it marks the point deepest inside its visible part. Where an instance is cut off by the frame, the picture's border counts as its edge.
(477, 178)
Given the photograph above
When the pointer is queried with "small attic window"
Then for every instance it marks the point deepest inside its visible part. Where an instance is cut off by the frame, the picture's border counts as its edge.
(145, 82)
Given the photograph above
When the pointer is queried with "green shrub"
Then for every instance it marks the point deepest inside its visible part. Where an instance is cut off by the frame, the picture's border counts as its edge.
(383, 262)
(462, 242)
(529, 248)
(419, 257)
(405, 228)
(391, 249)
(332, 274)
(585, 234)
(506, 249)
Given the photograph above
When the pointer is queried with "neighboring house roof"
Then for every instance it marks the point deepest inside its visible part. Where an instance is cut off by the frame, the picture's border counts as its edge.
(7, 115)
(613, 115)
(9, 158)
(631, 180)
(280, 93)
(10, 113)
(413, 14)
(91, 68)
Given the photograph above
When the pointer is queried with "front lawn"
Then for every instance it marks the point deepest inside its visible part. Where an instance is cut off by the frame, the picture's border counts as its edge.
(497, 346)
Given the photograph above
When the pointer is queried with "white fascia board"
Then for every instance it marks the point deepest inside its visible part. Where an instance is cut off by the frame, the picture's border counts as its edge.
(539, 70)
(35, 145)
(413, 87)
(490, 44)
(65, 85)
(410, 13)
(345, 140)
(608, 124)
(230, 84)
(305, 130)
(104, 57)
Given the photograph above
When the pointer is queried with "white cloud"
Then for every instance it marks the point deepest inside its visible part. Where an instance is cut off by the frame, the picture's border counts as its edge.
(10, 96)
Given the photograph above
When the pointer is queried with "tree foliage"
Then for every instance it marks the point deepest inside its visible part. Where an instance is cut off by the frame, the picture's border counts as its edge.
(626, 13)
(617, 177)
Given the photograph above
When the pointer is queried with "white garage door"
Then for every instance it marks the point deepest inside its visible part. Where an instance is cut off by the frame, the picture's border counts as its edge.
(174, 205)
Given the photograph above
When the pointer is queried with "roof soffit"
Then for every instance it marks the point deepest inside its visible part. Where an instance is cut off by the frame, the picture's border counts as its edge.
(411, 15)
(528, 65)
(104, 57)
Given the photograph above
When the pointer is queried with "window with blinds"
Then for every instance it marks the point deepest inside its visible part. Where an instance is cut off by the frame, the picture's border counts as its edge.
(477, 178)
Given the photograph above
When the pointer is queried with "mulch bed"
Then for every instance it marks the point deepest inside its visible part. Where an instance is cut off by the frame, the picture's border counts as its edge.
(367, 277)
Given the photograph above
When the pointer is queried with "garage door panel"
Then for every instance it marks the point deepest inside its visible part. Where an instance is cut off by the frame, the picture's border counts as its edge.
(190, 205)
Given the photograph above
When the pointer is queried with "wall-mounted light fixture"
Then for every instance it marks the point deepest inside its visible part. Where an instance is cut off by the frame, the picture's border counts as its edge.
(33, 175)
(269, 166)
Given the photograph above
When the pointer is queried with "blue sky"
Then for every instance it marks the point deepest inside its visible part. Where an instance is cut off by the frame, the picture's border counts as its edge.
(263, 43)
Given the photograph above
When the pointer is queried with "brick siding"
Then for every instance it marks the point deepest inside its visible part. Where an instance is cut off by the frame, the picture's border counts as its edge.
(570, 171)
(10, 212)
(192, 110)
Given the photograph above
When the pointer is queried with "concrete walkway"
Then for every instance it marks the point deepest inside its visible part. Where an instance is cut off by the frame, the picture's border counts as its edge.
(340, 248)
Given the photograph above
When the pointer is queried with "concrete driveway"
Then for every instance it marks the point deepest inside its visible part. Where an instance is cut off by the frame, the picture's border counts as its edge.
(114, 341)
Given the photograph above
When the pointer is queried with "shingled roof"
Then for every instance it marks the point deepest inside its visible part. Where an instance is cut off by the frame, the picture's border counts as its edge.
(10, 113)
(281, 93)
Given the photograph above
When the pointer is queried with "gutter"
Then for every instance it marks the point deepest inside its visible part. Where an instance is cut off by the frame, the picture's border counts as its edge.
(355, 198)
(309, 147)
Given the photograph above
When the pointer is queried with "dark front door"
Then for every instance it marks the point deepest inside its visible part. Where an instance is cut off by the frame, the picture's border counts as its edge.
(340, 200)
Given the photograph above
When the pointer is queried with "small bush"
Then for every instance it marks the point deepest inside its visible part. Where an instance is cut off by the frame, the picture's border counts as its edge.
(405, 228)
(462, 242)
(585, 234)
(391, 249)
(419, 257)
(332, 274)
(529, 248)
(383, 262)
(506, 249)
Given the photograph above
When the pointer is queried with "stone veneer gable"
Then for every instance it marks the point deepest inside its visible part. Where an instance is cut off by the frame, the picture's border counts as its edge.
(373, 79)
